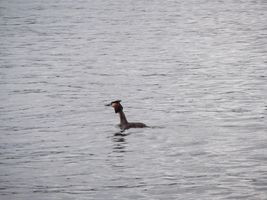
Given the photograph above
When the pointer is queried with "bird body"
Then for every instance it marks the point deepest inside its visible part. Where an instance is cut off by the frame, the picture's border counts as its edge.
(124, 124)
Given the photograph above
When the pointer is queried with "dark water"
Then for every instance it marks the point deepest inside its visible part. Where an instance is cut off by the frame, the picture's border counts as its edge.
(194, 70)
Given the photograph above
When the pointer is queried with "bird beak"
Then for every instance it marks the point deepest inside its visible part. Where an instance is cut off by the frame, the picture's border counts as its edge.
(109, 104)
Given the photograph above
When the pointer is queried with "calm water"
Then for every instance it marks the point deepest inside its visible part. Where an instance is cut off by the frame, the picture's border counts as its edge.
(194, 70)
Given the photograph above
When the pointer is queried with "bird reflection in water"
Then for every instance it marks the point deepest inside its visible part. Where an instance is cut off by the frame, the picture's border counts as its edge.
(116, 158)
(119, 142)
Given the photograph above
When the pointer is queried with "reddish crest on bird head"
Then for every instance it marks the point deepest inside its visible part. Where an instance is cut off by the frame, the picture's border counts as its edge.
(117, 106)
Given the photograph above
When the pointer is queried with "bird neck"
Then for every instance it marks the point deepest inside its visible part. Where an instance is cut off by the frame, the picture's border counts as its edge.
(123, 119)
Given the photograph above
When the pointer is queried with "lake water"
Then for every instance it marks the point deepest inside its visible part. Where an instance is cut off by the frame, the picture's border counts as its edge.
(193, 70)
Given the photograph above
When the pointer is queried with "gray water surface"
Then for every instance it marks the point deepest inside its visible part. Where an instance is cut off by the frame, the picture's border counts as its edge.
(193, 70)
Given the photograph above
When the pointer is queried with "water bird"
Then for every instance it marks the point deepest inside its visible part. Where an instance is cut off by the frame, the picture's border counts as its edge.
(124, 124)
